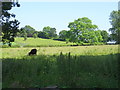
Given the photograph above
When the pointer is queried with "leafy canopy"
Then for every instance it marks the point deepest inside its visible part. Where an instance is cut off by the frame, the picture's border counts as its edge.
(115, 22)
(9, 27)
(83, 31)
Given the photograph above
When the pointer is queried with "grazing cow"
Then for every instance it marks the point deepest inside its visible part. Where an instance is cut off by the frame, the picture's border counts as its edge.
(32, 52)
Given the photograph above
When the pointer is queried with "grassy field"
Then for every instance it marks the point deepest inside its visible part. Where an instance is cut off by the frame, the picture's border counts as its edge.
(61, 70)
(38, 42)
(74, 50)
(66, 67)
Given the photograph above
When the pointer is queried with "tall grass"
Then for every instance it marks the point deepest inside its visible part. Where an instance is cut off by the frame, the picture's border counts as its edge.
(78, 50)
(81, 66)
(64, 70)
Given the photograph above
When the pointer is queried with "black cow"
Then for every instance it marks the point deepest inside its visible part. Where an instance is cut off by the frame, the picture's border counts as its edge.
(33, 52)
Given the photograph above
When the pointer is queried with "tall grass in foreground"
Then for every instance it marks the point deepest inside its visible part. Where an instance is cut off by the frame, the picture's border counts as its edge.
(64, 70)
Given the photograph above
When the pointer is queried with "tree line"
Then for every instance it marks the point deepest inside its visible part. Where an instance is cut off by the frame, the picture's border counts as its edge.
(28, 31)
(81, 31)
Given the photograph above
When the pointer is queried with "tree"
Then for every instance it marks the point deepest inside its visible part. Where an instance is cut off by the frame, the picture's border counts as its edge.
(42, 34)
(25, 36)
(62, 34)
(115, 22)
(81, 30)
(29, 30)
(99, 36)
(46, 30)
(49, 32)
(35, 35)
(91, 37)
(52, 33)
(9, 27)
(23, 33)
(105, 36)
(18, 34)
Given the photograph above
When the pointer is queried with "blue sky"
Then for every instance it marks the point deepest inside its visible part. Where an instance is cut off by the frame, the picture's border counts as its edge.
(59, 14)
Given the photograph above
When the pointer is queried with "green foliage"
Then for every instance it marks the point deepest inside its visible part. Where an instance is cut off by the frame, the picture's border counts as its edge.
(115, 22)
(82, 31)
(25, 36)
(42, 35)
(29, 30)
(49, 32)
(23, 33)
(105, 36)
(64, 35)
(99, 36)
(35, 35)
(9, 28)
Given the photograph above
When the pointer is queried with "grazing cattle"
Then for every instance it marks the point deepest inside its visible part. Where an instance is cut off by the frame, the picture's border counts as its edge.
(33, 52)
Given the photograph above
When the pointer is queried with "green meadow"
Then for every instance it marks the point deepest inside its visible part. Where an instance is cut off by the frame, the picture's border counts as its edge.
(65, 67)
(74, 50)
(37, 42)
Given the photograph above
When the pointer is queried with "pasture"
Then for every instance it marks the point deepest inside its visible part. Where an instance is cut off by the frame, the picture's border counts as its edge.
(38, 42)
(74, 50)
(66, 67)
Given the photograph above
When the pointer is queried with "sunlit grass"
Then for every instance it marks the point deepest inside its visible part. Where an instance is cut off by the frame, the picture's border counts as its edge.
(39, 42)
(80, 66)
(78, 50)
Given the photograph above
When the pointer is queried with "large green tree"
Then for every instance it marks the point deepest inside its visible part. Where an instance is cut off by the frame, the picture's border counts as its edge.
(9, 27)
(115, 22)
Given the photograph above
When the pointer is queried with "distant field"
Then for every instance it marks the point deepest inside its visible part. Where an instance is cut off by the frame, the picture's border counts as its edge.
(38, 42)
